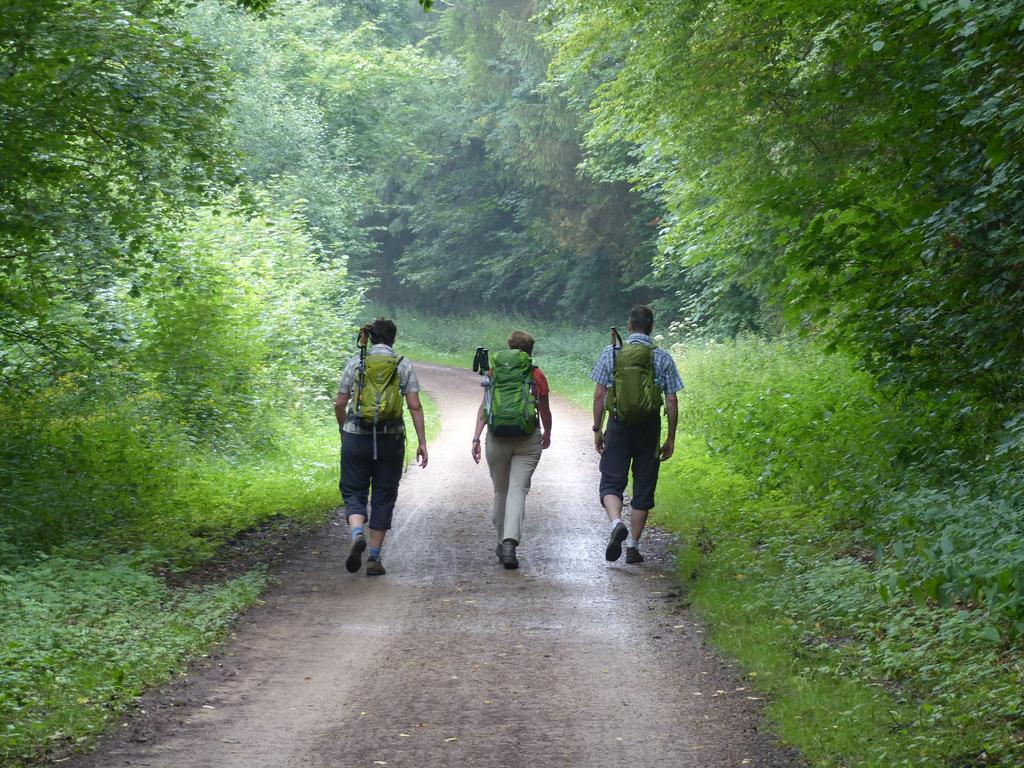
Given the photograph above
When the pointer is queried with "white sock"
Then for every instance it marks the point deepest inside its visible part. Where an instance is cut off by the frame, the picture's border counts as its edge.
(632, 543)
(616, 523)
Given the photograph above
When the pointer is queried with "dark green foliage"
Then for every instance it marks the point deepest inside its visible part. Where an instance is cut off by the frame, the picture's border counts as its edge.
(165, 348)
(816, 545)
(959, 547)
(855, 162)
(812, 428)
(330, 104)
(509, 219)
(111, 125)
(79, 641)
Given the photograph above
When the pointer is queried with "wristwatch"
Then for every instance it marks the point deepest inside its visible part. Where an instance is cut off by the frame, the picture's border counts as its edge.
(596, 428)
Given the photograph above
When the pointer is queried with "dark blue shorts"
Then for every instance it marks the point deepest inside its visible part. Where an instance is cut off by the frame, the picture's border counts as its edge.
(368, 482)
(626, 447)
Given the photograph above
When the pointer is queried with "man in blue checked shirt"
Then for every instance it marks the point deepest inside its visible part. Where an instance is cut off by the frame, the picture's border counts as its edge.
(633, 445)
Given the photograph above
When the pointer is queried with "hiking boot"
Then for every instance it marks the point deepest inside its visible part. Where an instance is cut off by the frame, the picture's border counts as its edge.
(508, 554)
(633, 555)
(614, 549)
(497, 551)
(355, 554)
(375, 568)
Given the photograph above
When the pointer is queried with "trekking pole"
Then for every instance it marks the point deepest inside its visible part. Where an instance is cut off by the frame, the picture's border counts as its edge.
(482, 364)
(361, 341)
(616, 346)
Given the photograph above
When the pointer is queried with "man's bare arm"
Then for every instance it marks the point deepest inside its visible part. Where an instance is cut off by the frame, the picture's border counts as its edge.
(600, 391)
(341, 409)
(672, 411)
(416, 411)
(544, 407)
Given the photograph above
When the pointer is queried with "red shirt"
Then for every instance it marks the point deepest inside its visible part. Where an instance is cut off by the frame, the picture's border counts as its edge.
(540, 383)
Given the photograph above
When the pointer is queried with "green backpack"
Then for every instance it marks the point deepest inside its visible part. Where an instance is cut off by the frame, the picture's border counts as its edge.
(511, 408)
(634, 398)
(378, 397)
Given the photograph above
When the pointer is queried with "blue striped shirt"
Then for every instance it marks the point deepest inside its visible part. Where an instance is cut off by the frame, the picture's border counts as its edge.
(666, 375)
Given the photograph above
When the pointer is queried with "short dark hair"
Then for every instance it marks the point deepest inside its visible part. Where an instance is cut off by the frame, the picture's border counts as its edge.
(382, 331)
(641, 319)
(521, 340)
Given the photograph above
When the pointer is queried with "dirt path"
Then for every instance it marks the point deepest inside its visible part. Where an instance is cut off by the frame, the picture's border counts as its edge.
(450, 660)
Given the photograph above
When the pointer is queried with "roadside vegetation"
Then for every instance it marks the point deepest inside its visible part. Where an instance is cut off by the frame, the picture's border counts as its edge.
(874, 595)
(176, 302)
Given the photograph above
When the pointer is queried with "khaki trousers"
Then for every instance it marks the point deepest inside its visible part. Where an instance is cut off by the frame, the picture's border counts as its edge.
(512, 461)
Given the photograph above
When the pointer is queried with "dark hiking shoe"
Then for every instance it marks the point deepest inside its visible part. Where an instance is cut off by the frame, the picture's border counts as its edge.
(633, 555)
(355, 554)
(614, 549)
(508, 554)
(497, 551)
(375, 568)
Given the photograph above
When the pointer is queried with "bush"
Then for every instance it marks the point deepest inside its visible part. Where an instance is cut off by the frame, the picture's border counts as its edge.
(958, 546)
(911, 606)
(790, 417)
(217, 413)
(79, 640)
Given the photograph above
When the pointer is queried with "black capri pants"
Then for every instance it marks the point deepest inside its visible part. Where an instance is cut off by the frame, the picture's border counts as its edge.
(365, 480)
(626, 446)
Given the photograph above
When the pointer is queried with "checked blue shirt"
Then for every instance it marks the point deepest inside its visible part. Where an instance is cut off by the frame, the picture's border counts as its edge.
(666, 375)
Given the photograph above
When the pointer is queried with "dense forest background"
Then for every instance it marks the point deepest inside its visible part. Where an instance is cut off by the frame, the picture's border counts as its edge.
(824, 202)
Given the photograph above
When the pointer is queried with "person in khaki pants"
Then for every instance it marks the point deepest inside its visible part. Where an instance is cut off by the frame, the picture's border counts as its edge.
(512, 461)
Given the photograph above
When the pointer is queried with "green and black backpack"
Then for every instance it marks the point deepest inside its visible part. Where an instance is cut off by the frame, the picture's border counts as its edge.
(511, 407)
(378, 395)
(634, 397)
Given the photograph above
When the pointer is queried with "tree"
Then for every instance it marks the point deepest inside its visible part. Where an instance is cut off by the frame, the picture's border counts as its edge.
(852, 161)
(111, 129)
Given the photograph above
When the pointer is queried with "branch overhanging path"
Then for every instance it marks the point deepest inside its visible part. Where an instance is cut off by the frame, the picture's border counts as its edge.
(452, 660)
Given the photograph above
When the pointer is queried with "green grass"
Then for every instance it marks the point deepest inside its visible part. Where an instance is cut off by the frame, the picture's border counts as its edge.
(860, 668)
(80, 639)
(833, 720)
(851, 679)
(85, 627)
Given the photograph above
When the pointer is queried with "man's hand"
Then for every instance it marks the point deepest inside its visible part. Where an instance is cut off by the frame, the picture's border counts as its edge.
(421, 455)
(545, 441)
(667, 450)
(600, 394)
(476, 451)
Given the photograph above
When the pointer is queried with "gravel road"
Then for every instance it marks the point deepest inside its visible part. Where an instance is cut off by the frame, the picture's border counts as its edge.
(450, 660)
